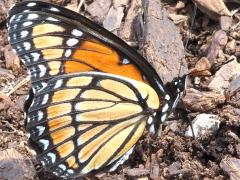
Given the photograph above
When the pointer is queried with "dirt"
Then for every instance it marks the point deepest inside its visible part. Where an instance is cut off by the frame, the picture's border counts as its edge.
(171, 155)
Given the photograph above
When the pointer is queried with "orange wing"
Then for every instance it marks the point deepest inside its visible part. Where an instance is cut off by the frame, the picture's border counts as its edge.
(89, 121)
(51, 46)
(96, 56)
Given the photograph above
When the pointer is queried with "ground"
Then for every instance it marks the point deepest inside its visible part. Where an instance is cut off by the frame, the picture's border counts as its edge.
(213, 88)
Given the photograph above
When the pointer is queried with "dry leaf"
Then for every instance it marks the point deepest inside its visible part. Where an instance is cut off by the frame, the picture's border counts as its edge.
(12, 61)
(201, 68)
(213, 8)
(178, 18)
(5, 101)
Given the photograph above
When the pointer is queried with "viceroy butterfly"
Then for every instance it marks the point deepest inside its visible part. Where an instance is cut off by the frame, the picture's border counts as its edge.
(92, 95)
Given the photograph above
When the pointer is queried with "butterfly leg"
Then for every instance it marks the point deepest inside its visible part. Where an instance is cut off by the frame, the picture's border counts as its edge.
(182, 112)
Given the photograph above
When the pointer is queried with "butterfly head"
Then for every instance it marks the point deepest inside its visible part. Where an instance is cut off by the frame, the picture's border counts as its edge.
(180, 83)
(177, 86)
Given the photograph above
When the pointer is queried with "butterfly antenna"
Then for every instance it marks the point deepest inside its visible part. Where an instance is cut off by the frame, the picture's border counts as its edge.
(217, 67)
(191, 126)
(184, 114)
(191, 25)
(189, 33)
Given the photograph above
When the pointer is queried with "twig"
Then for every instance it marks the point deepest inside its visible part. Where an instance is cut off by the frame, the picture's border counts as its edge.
(20, 84)
(10, 126)
(235, 26)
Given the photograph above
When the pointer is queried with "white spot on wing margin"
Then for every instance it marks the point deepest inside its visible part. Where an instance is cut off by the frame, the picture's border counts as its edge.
(43, 70)
(31, 4)
(121, 160)
(40, 129)
(72, 41)
(32, 16)
(76, 32)
(68, 52)
(58, 83)
(45, 143)
(24, 34)
(54, 9)
(45, 99)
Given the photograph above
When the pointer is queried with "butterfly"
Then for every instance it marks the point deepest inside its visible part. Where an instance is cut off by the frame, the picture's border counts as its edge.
(92, 95)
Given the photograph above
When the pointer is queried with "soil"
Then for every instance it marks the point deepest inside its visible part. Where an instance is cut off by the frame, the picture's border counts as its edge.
(172, 155)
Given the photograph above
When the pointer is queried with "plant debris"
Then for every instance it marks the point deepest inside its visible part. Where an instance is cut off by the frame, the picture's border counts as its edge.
(165, 33)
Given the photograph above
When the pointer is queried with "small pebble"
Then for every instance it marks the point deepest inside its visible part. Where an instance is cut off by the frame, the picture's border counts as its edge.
(231, 47)
(224, 75)
(203, 123)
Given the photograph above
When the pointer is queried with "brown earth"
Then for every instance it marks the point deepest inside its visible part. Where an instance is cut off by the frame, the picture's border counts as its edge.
(172, 155)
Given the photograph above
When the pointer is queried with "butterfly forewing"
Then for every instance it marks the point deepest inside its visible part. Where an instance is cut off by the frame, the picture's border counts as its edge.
(50, 45)
(82, 122)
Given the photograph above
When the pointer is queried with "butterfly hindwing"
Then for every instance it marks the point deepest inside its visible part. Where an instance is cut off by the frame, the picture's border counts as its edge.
(84, 121)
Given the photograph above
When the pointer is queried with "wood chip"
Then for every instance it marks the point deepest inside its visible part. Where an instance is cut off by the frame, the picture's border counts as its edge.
(180, 4)
(73, 6)
(163, 44)
(6, 73)
(135, 172)
(232, 167)
(20, 102)
(155, 170)
(224, 75)
(114, 18)
(118, 3)
(127, 30)
(234, 86)
(15, 166)
(3, 12)
(231, 114)
(202, 101)
(143, 178)
(98, 9)
(219, 40)
(231, 46)
(225, 22)
(173, 168)
(181, 172)
(178, 18)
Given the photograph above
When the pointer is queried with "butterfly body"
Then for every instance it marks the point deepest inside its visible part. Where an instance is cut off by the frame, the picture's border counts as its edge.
(92, 95)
